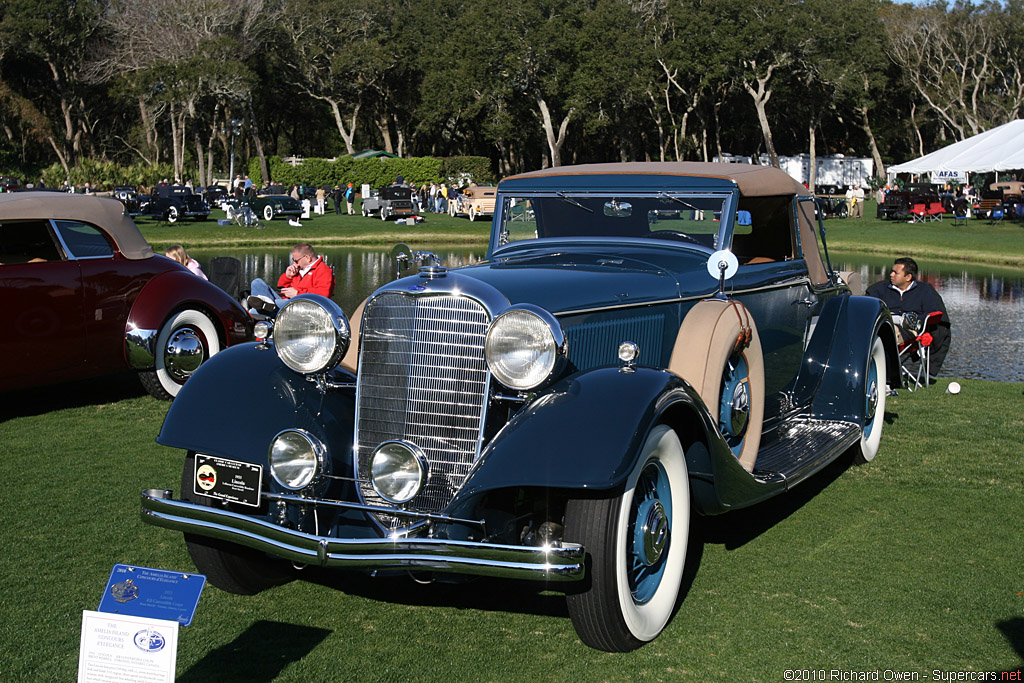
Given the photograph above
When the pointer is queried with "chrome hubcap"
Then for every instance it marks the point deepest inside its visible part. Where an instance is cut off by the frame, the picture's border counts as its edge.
(740, 405)
(184, 354)
(872, 402)
(654, 532)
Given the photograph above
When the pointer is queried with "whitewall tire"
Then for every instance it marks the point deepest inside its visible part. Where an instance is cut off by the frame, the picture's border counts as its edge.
(636, 543)
(875, 380)
(185, 341)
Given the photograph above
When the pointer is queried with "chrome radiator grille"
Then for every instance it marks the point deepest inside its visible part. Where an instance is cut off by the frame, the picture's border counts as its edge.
(423, 380)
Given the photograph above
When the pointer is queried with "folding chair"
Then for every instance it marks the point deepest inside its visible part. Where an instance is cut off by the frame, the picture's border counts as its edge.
(935, 211)
(226, 273)
(961, 209)
(915, 353)
(918, 213)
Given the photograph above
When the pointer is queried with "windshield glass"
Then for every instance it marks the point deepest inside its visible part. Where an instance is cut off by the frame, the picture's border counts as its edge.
(689, 218)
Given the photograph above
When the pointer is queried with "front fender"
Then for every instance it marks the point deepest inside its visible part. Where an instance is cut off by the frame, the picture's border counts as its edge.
(582, 434)
(587, 431)
(173, 291)
(241, 398)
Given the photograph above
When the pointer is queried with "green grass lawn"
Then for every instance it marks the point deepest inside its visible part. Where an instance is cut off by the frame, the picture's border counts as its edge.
(328, 229)
(1001, 244)
(977, 242)
(911, 563)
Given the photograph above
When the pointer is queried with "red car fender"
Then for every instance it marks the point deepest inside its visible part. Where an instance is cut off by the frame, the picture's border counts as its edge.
(173, 291)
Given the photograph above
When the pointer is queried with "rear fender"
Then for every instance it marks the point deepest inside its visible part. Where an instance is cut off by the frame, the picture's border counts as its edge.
(836, 362)
(237, 401)
(169, 293)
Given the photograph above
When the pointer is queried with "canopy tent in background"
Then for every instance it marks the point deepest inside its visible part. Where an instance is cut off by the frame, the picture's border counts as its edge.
(998, 149)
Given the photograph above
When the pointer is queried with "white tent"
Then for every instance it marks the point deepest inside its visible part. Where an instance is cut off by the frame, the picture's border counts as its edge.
(998, 149)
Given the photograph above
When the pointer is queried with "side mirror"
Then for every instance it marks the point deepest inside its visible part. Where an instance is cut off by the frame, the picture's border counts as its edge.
(617, 209)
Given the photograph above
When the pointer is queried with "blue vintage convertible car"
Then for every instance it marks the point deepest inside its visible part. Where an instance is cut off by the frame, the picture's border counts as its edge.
(643, 342)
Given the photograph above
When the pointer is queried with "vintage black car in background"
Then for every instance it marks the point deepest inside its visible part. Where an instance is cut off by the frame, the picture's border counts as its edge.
(642, 341)
(173, 203)
(129, 196)
(213, 195)
(898, 203)
(392, 201)
(274, 202)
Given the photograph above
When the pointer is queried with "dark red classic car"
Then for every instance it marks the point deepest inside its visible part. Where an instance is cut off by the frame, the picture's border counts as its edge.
(85, 295)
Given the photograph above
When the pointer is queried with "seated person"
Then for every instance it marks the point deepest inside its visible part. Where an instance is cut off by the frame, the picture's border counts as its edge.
(904, 294)
(307, 274)
(178, 253)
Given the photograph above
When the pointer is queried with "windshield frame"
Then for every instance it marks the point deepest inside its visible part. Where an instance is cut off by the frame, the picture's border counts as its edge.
(498, 244)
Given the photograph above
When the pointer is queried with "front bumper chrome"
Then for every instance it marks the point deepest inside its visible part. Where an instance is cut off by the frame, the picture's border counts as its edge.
(563, 563)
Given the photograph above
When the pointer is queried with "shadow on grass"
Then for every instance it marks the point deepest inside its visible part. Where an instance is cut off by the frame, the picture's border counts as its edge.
(260, 653)
(416, 589)
(737, 528)
(95, 391)
(1013, 629)
(890, 417)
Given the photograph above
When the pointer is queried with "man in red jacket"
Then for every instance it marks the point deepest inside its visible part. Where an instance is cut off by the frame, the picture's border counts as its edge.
(307, 274)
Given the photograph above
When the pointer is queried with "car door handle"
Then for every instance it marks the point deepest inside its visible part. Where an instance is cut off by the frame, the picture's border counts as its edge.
(806, 302)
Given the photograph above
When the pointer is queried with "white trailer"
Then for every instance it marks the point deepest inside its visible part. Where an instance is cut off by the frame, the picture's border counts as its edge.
(835, 173)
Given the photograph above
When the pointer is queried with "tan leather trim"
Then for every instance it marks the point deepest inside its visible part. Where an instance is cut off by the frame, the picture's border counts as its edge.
(854, 281)
(753, 181)
(704, 343)
(109, 214)
(351, 360)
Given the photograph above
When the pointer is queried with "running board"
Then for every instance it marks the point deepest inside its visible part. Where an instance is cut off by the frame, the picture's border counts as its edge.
(802, 447)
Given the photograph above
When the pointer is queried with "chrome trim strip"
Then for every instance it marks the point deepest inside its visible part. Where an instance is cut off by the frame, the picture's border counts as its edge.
(397, 512)
(638, 304)
(426, 554)
(140, 348)
(800, 280)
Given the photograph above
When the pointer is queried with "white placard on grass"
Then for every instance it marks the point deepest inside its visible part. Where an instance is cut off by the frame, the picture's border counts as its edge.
(126, 649)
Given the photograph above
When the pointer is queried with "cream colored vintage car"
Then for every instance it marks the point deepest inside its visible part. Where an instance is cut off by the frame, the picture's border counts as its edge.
(474, 201)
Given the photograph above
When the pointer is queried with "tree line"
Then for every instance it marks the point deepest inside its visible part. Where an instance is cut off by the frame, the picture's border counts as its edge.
(525, 83)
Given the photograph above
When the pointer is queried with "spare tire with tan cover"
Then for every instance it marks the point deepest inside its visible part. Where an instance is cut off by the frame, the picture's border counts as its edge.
(718, 351)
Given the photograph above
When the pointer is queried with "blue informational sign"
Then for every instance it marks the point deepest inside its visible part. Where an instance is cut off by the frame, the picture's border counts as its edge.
(152, 593)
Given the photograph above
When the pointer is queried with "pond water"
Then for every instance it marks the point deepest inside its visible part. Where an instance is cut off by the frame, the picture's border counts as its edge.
(985, 305)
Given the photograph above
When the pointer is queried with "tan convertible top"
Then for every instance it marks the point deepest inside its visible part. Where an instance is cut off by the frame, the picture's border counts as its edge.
(753, 181)
(108, 214)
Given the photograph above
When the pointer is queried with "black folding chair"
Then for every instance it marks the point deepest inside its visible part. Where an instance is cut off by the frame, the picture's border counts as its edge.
(226, 273)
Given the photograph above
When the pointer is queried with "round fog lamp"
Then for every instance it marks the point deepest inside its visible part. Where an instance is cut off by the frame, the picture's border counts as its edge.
(294, 459)
(628, 352)
(262, 330)
(398, 471)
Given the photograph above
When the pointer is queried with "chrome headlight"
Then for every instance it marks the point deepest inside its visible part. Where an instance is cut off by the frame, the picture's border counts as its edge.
(398, 471)
(296, 459)
(525, 347)
(311, 333)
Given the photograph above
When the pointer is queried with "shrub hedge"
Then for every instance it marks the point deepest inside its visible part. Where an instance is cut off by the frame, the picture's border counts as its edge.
(104, 175)
(376, 172)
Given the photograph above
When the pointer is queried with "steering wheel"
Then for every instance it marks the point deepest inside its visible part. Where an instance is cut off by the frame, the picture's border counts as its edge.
(672, 235)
